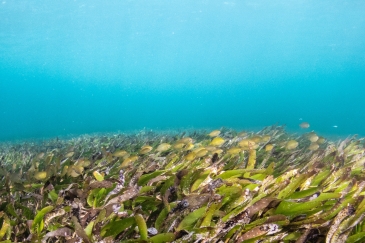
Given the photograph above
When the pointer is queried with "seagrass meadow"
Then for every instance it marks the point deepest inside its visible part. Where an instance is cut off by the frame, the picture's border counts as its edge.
(192, 186)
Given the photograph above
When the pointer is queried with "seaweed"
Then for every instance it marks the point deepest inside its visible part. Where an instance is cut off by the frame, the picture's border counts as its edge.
(266, 186)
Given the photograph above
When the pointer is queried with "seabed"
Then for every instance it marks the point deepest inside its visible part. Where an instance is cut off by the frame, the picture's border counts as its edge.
(193, 186)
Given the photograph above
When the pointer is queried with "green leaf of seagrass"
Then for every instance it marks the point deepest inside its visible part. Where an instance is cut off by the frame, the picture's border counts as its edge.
(53, 196)
(161, 217)
(11, 210)
(79, 230)
(304, 193)
(204, 175)
(162, 238)
(89, 228)
(359, 237)
(294, 184)
(320, 177)
(6, 225)
(229, 193)
(147, 177)
(187, 181)
(141, 223)
(39, 217)
(209, 215)
(115, 227)
(25, 211)
(188, 222)
(232, 173)
(294, 208)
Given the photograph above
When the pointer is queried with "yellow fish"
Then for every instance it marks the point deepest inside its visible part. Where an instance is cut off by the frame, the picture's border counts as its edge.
(163, 147)
(292, 144)
(145, 149)
(269, 147)
(217, 141)
(40, 175)
(214, 133)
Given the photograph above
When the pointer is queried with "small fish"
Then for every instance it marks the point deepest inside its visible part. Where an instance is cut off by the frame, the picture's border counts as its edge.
(256, 139)
(234, 150)
(163, 147)
(247, 143)
(292, 144)
(335, 126)
(313, 137)
(188, 146)
(201, 153)
(191, 156)
(217, 141)
(69, 154)
(321, 140)
(40, 175)
(214, 133)
(186, 140)
(313, 146)
(119, 153)
(127, 161)
(145, 149)
(269, 147)
(304, 125)
(265, 138)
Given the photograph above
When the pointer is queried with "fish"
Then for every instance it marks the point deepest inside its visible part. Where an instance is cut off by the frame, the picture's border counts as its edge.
(234, 150)
(163, 147)
(40, 175)
(201, 153)
(119, 153)
(304, 125)
(145, 149)
(321, 140)
(214, 133)
(313, 137)
(313, 146)
(217, 141)
(269, 147)
(292, 144)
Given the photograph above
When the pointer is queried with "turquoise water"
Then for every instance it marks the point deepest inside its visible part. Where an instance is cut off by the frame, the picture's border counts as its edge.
(74, 67)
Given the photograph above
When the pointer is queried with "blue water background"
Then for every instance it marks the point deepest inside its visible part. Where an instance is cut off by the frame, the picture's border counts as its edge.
(74, 67)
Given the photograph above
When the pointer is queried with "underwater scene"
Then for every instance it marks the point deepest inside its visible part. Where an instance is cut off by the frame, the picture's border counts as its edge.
(182, 121)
